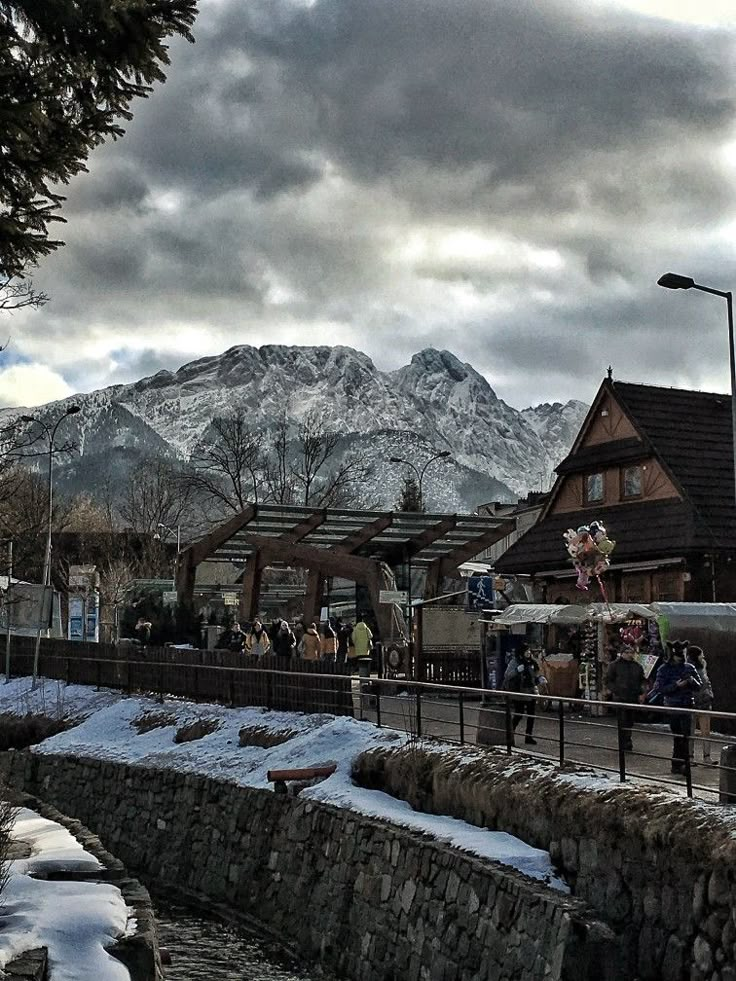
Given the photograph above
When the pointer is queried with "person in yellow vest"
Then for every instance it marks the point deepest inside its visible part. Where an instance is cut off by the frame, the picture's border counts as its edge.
(362, 639)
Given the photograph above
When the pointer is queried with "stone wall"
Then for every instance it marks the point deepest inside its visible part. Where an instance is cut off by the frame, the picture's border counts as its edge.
(371, 901)
(139, 950)
(661, 872)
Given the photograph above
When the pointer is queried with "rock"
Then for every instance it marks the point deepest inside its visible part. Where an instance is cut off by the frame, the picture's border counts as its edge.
(703, 955)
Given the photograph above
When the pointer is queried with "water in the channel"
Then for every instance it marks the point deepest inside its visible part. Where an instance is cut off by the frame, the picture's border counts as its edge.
(204, 948)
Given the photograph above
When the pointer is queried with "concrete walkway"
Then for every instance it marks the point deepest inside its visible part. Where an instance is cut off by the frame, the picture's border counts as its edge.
(589, 740)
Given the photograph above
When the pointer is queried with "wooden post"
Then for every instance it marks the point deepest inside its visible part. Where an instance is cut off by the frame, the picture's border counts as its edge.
(312, 597)
(251, 587)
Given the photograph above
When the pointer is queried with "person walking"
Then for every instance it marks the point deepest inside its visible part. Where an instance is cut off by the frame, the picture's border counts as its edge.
(523, 675)
(703, 699)
(257, 643)
(362, 638)
(232, 639)
(311, 643)
(283, 642)
(329, 642)
(143, 631)
(626, 683)
(344, 633)
(677, 682)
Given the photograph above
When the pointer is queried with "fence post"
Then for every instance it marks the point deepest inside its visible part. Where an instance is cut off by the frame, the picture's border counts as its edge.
(621, 743)
(66, 671)
(378, 705)
(688, 769)
(462, 720)
(160, 680)
(509, 726)
(419, 713)
(561, 716)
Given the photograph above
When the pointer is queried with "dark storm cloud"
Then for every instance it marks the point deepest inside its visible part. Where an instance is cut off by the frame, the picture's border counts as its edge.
(278, 179)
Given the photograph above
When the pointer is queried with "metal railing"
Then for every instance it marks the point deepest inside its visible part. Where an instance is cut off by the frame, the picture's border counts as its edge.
(568, 731)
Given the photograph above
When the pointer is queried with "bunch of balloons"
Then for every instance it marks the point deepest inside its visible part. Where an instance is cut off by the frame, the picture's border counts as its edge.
(632, 635)
(589, 548)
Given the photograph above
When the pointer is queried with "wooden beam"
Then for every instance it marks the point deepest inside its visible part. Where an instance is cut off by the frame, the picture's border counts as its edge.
(415, 545)
(450, 562)
(251, 592)
(308, 556)
(305, 528)
(208, 545)
(312, 596)
(185, 575)
(364, 534)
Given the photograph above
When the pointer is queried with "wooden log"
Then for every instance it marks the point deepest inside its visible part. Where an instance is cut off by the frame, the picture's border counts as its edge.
(303, 773)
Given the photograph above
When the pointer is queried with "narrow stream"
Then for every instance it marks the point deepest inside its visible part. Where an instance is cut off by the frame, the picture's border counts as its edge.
(205, 948)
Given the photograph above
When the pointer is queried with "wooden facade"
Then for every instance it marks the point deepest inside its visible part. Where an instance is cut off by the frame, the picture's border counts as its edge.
(655, 465)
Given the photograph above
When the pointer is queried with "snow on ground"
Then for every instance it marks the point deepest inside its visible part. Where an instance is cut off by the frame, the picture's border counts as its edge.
(76, 921)
(107, 733)
(52, 698)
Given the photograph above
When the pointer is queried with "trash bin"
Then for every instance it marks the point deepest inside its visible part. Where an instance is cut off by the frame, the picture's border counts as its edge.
(491, 725)
(364, 667)
(727, 776)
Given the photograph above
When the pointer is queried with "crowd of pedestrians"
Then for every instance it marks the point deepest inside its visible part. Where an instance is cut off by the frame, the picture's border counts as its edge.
(333, 640)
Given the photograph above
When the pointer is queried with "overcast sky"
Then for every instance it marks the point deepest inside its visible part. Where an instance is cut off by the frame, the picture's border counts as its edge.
(505, 179)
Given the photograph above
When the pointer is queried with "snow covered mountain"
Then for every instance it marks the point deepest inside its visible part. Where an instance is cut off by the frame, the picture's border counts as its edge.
(433, 404)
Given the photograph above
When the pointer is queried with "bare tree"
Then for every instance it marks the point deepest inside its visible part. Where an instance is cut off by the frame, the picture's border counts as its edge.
(15, 294)
(278, 475)
(154, 495)
(323, 478)
(227, 465)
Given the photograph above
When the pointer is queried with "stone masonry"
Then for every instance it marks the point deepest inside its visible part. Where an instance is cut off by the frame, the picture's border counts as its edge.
(371, 901)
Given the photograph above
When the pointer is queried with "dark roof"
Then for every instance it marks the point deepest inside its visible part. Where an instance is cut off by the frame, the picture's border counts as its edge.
(603, 454)
(691, 433)
(642, 530)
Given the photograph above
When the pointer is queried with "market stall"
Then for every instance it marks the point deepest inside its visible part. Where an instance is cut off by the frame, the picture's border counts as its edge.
(574, 644)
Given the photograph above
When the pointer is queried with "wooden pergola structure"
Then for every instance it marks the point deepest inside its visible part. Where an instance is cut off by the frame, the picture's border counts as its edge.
(357, 545)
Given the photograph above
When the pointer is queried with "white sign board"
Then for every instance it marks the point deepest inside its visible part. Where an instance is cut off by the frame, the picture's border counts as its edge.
(170, 598)
(400, 596)
(230, 599)
(79, 580)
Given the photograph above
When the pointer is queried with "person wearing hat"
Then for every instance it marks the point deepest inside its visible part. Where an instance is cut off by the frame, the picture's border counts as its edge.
(678, 681)
(626, 683)
(523, 675)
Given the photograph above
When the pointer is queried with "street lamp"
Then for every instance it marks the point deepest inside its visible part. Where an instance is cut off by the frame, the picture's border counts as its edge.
(420, 473)
(50, 432)
(158, 537)
(672, 281)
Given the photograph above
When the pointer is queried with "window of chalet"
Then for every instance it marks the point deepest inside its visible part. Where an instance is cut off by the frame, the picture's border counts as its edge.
(631, 482)
(594, 488)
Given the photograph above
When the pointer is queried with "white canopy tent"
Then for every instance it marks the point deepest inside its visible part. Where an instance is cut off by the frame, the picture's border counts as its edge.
(571, 613)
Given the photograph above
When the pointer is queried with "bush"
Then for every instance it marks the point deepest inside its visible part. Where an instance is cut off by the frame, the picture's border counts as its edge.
(21, 731)
(263, 737)
(153, 720)
(196, 730)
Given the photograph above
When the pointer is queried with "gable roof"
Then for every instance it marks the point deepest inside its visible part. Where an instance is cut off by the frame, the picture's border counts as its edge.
(691, 435)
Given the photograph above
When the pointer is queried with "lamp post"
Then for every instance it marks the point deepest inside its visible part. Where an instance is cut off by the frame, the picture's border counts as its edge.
(420, 473)
(166, 528)
(50, 433)
(672, 281)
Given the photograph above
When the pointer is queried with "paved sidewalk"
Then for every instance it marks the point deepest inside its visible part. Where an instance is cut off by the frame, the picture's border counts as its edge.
(589, 740)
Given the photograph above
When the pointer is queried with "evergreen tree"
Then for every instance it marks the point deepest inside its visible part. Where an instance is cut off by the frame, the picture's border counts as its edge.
(410, 498)
(70, 70)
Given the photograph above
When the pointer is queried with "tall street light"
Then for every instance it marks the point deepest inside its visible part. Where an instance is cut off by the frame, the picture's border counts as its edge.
(159, 537)
(50, 433)
(672, 281)
(420, 473)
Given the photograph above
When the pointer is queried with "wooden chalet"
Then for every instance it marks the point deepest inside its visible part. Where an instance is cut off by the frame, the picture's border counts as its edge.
(655, 465)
